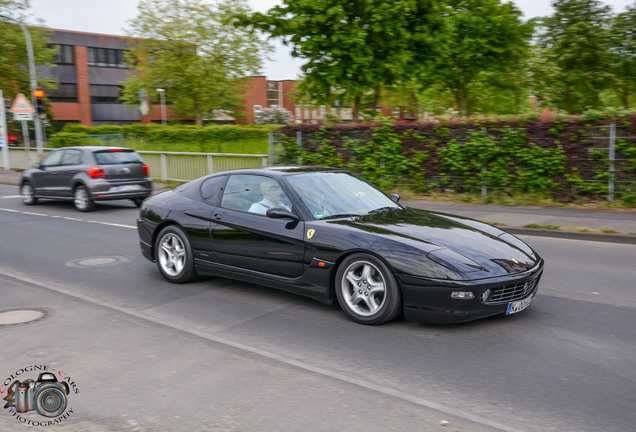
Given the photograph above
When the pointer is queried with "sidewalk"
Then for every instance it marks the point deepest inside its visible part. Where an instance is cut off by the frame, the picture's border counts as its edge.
(573, 223)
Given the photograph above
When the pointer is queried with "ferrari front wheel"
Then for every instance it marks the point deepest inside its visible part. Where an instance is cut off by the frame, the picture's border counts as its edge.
(366, 290)
(174, 255)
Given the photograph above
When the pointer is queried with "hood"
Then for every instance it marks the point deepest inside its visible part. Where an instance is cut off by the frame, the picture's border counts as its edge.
(461, 244)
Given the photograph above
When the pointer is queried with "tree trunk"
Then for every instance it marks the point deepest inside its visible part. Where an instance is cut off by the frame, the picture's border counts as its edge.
(355, 114)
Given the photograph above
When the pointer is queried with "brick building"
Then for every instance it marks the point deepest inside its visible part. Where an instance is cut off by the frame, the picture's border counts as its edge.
(90, 68)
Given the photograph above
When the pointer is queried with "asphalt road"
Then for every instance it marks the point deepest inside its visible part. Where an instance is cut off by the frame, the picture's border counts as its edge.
(222, 355)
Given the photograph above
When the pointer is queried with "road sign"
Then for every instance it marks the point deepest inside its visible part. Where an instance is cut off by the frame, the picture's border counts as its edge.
(22, 105)
(144, 108)
(23, 116)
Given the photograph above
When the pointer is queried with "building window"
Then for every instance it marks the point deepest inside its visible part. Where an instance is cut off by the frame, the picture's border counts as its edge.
(105, 94)
(106, 57)
(64, 93)
(64, 55)
(273, 94)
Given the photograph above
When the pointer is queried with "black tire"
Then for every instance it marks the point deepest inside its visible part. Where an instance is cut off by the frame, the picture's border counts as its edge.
(367, 290)
(82, 199)
(174, 255)
(137, 201)
(26, 193)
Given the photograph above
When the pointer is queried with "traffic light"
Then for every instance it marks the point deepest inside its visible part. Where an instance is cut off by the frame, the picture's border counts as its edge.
(39, 101)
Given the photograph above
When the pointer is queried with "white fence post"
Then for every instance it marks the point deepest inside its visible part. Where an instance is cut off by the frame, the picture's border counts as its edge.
(164, 167)
(210, 164)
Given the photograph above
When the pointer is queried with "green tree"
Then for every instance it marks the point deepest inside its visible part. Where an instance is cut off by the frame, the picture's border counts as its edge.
(14, 65)
(623, 55)
(575, 40)
(194, 50)
(481, 38)
(354, 49)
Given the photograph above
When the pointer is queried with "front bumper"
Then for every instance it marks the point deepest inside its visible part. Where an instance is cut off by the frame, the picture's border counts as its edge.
(144, 231)
(431, 301)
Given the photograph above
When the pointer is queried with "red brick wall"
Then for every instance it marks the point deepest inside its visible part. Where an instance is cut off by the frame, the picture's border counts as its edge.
(67, 111)
(83, 86)
(288, 97)
(255, 94)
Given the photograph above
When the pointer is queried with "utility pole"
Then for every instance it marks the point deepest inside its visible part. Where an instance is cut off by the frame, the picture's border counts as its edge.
(162, 96)
(4, 134)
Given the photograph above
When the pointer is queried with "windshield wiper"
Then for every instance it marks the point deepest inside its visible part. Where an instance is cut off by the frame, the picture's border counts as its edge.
(383, 210)
(339, 215)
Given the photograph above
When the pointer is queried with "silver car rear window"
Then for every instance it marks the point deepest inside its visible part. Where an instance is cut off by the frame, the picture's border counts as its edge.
(110, 157)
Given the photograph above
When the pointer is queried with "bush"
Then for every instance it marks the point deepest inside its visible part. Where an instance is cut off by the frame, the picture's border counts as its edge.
(209, 139)
(274, 115)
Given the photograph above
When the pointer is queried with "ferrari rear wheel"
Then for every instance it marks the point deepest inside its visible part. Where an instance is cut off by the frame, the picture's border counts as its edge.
(174, 255)
(367, 290)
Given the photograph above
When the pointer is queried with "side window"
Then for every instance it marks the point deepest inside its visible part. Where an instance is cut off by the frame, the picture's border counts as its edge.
(72, 157)
(241, 191)
(211, 190)
(53, 159)
(272, 195)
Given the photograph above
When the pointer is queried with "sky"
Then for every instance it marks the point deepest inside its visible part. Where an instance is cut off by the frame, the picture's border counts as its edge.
(110, 17)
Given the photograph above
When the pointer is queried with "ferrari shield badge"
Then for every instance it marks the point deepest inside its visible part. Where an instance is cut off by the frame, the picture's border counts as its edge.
(310, 233)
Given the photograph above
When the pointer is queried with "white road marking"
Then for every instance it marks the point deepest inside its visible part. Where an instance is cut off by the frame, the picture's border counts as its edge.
(73, 219)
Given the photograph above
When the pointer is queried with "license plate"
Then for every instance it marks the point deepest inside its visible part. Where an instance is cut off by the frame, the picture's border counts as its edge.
(518, 306)
(125, 188)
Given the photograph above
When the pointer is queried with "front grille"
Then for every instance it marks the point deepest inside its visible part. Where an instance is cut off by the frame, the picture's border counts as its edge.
(511, 293)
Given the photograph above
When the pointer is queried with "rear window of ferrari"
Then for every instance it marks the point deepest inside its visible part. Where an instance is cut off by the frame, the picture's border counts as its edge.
(117, 156)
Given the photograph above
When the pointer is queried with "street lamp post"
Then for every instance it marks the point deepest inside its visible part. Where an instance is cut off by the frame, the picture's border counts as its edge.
(162, 95)
(34, 82)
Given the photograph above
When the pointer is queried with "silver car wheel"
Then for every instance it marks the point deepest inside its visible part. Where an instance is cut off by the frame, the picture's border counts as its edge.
(26, 193)
(363, 288)
(172, 255)
(81, 199)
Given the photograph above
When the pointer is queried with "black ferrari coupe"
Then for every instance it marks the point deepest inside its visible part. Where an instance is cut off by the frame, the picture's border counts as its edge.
(330, 235)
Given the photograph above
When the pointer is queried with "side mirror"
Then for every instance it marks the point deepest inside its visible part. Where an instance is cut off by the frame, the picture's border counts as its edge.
(280, 213)
(395, 197)
(37, 165)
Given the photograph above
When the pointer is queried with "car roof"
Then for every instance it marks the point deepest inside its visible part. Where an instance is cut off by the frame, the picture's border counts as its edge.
(95, 148)
(278, 171)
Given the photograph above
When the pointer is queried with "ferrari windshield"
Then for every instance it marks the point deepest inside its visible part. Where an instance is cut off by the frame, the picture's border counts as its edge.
(334, 194)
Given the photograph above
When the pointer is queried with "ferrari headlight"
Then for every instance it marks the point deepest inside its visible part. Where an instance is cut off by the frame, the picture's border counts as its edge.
(454, 261)
(509, 238)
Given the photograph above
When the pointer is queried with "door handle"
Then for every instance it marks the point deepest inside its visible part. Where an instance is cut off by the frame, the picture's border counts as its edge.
(218, 216)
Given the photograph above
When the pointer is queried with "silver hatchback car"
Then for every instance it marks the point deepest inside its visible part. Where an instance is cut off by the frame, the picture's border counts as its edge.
(85, 174)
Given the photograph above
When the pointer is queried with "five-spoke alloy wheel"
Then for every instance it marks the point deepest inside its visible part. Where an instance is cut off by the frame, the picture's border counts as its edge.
(174, 255)
(367, 290)
(82, 199)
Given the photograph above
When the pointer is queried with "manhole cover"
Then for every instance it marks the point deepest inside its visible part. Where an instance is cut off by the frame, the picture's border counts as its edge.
(97, 261)
(21, 316)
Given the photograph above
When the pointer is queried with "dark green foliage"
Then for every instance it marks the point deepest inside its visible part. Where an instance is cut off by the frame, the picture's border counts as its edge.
(559, 159)
(210, 139)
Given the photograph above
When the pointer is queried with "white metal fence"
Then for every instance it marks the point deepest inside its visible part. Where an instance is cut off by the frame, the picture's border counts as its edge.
(165, 166)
